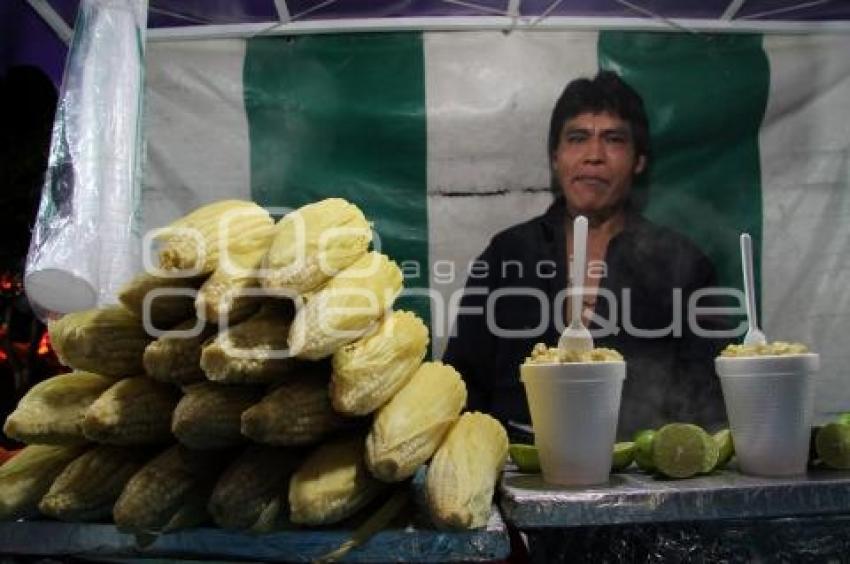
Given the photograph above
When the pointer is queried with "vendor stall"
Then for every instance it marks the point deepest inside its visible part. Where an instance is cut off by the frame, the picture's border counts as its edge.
(418, 130)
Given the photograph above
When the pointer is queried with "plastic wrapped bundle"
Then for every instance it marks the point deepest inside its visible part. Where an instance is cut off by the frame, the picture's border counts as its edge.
(85, 241)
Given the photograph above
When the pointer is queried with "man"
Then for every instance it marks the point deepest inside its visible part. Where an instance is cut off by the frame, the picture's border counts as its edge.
(639, 282)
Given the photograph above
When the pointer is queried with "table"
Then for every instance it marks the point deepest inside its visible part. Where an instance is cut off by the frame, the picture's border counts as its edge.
(726, 516)
(103, 542)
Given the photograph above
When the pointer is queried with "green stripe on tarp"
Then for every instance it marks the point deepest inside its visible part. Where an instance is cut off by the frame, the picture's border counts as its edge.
(705, 95)
(344, 115)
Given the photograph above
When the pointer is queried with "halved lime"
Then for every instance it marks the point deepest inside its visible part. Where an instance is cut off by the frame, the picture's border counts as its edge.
(682, 450)
(643, 449)
(833, 445)
(525, 457)
(624, 455)
(726, 448)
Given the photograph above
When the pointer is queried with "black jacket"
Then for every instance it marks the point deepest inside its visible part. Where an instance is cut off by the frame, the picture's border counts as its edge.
(668, 378)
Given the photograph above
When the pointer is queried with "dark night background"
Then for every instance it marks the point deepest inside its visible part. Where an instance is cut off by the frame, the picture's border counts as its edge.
(30, 67)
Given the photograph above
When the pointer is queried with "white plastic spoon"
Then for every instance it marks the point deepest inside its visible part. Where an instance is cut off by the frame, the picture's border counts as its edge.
(754, 336)
(576, 337)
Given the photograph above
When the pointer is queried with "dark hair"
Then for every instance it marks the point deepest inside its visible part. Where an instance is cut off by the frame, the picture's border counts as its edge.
(606, 92)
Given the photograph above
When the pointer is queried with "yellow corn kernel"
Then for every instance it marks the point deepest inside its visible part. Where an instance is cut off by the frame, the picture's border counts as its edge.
(26, 477)
(252, 494)
(314, 243)
(346, 308)
(296, 412)
(462, 475)
(252, 352)
(208, 416)
(52, 411)
(175, 359)
(89, 486)
(169, 492)
(332, 484)
(134, 411)
(215, 232)
(232, 292)
(107, 341)
(369, 371)
(410, 427)
(165, 309)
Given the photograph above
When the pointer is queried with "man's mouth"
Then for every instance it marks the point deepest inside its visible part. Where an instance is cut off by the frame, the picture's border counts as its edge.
(593, 181)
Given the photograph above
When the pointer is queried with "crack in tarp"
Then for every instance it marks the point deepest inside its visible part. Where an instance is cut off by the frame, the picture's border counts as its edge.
(494, 192)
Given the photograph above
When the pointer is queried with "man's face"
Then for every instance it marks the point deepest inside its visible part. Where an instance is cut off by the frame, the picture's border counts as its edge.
(595, 162)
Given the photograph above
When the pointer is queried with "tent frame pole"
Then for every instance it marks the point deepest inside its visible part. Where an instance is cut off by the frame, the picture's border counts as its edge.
(500, 23)
(732, 9)
(52, 19)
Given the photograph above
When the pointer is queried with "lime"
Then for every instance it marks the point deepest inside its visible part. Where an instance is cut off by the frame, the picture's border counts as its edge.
(726, 448)
(643, 450)
(682, 450)
(844, 418)
(525, 457)
(833, 445)
(624, 455)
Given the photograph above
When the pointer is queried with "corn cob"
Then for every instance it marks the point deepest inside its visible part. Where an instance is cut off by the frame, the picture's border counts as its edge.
(332, 484)
(463, 473)
(314, 243)
(232, 292)
(174, 305)
(89, 486)
(26, 477)
(134, 411)
(410, 427)
(253, 352)
(107, 341)
(213, 233)
(52, 411)
(209, 414)
(297, 412)
(368, 372)
(169, 492)
(177, 360)
(346, 308)
(252, 494)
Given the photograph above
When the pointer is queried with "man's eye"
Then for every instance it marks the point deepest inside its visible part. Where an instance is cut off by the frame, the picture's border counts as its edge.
(575, 137)
(617, 139)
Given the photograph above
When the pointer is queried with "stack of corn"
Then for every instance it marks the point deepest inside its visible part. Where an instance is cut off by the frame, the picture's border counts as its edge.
(277, 335)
